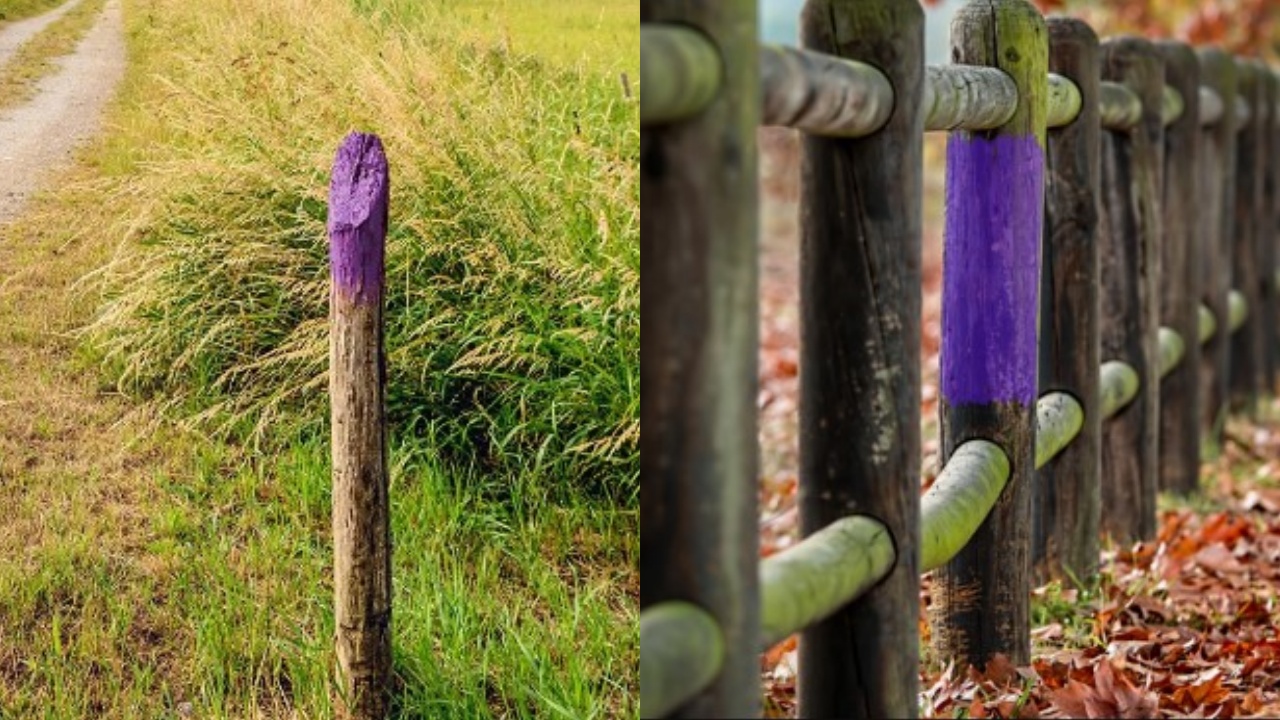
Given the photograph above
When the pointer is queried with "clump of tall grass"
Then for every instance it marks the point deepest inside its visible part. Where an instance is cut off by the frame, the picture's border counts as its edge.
(513, 257)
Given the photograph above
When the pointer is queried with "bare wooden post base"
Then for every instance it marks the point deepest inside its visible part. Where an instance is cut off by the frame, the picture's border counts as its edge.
(358, 197)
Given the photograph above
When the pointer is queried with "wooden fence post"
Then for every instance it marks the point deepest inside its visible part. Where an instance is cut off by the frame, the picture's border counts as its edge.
(1272, 223)
(860, 349)
(1129, 257)
(698, 260)
(1180, 275)
(1067, 490)
(1266, 230)
(991, 278)
(1217, 198)
(1246, 345)
(358, 197)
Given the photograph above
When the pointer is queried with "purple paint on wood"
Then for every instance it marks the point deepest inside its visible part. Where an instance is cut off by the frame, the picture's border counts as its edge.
(358, 196)
(991, 273)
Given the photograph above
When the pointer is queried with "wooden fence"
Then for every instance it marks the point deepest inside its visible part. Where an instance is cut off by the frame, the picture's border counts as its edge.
(1111, 220)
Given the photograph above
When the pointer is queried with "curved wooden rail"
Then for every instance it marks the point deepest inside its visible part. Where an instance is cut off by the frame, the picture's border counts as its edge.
(681, 651)
(679, 70)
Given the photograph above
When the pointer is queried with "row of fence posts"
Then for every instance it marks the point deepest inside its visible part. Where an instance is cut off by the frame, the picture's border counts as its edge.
(1111, 219)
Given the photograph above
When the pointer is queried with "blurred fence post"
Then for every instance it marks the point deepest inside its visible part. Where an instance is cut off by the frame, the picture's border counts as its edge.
(1266, 231)
(1246, 345)
(860, 387)
(1180, 276)
(358, 197)
(1066, 490)
(1272, 224)
(1216, 220)
(991, 278)
(1129, 258)
(698, 451)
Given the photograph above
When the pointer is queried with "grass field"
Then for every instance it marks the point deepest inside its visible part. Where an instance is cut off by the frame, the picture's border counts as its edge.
(154, 569)
(12, 10)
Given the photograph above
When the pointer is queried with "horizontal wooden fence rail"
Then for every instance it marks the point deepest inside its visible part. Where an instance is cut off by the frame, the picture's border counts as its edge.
(830, 95)
(1106, 202)
(833, 567)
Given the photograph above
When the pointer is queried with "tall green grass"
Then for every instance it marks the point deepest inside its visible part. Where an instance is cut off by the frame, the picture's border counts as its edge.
(513, 257)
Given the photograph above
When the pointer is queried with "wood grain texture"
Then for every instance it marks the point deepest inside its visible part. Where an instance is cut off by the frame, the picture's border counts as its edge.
(822, 94)
(358, 201)
(1180, 274)
(1129, 259)
(1215, 223)
(995, 202)
(860, 344)
(698, 261)
(1246, 343)
(1067, 502)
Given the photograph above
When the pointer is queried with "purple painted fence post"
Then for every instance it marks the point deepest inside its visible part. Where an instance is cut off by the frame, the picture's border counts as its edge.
(991, 279)
(358, 196)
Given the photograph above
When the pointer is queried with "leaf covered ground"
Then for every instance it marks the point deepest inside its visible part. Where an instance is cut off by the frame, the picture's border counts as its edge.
(1182, 626)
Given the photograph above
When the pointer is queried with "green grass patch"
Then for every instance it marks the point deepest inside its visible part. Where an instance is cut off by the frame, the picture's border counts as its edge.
(226, 609)
(37, 58)
(513, 257)
(189, 574)
(602, 37)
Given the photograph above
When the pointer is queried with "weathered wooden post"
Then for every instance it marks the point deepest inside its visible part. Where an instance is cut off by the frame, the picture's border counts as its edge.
(1271, 202)
(1216, 222)
(1129, 257)
(1067, 490)
(358, 197)
(1266, 230)
(698, 452)
(1180, 274)
(1246, 345)
(860, 388)
(991, 278)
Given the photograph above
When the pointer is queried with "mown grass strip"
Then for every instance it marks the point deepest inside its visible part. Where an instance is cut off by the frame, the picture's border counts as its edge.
(37, 59)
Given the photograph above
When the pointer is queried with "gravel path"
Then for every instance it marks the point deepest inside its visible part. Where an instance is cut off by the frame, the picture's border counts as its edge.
(15, 34)
(38, 137)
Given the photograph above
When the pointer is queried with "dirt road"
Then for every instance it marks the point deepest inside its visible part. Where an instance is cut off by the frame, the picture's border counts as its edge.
(39, 136)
